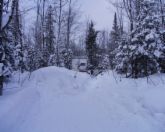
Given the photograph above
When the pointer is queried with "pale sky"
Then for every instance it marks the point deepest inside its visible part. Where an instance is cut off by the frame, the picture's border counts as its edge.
(100, 11)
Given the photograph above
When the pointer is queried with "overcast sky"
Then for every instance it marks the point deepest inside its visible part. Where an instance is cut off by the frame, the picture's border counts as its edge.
(101, 11)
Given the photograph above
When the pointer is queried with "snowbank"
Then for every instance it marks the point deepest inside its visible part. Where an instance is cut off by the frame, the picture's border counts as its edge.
(59, 100)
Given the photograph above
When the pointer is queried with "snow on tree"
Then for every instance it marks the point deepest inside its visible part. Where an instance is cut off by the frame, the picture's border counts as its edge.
(6, 16)
(114, 40)
(140, 56)
(114, 34)
(105, 62)
(67, 58)
(49, 33)
(161, 58)
(91, 48)
(122, 57)
(14, 32)
(30, 59)
(52, 60)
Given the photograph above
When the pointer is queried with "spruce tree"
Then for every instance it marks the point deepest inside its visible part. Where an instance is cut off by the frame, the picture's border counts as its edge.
(114, 40)
(14, 32)
(67, 57)
(140, 57)
(5, 61)
(49, 33)
(91, 48)
(121, 60)
(114, 34)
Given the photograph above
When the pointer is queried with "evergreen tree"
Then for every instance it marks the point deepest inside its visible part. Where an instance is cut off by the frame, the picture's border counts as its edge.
(122, 57)
(14, 32)
(31, 59)
(114, 34)
(114, 40)
(140, 57)
(91, 48)
(67, 58)
(49, 33)
(105, 64)
(161, 58)
(5, 65)
(52, 60)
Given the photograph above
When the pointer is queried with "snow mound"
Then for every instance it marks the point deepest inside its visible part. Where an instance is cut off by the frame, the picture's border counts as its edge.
(59, 100)
(59, 80)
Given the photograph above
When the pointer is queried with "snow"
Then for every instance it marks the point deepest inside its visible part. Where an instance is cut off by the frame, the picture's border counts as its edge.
(59, 100)
(150, 36)
(157, 53)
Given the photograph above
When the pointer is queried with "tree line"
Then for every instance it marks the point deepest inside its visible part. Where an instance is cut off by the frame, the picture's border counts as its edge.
(50, 41)
(141, 49)
(135, 46)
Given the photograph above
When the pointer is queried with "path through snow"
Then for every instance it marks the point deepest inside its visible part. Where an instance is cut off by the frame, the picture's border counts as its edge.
(54, 101)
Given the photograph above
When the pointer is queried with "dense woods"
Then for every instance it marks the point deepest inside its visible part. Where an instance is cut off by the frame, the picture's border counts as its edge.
(141, 49)
(135, 46)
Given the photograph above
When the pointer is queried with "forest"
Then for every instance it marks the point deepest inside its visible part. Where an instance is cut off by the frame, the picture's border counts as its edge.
(135, 48)
(60, 54)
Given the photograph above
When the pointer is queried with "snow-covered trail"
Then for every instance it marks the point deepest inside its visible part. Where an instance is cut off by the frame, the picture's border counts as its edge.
(54, 101)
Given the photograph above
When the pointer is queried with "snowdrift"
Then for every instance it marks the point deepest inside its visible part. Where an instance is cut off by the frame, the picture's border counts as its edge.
(58, 100)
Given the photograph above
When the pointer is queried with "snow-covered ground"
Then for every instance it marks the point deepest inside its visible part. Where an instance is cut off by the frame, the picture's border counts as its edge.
(55, 100)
